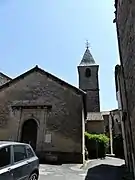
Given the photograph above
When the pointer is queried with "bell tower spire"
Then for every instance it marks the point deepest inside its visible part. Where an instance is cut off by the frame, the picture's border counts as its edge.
(88, 80)
(87, 57)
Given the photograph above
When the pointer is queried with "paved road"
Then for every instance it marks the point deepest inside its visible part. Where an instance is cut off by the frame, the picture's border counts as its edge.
(107, 169)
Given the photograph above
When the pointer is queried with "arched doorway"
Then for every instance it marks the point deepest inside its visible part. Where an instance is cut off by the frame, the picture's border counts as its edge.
(29, 133)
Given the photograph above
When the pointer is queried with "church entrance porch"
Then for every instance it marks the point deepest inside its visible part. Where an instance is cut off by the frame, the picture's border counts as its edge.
(29, 133)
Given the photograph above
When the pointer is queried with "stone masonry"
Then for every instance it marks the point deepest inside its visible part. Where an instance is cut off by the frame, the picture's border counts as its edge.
(88, 81)
(65, 119)
(125, 23)
(55, 112)
(4, 79)
(93, 101)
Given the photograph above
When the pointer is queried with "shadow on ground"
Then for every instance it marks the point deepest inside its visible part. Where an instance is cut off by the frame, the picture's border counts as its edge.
(42, 161)
(105, 172)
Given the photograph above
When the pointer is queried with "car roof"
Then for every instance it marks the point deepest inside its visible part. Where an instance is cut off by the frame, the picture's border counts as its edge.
(5, 143)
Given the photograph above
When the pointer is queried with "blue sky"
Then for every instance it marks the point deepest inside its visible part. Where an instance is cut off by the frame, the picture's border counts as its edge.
(52, 34)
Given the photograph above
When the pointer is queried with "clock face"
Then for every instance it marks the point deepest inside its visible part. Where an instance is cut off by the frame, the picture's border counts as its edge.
(88, 72)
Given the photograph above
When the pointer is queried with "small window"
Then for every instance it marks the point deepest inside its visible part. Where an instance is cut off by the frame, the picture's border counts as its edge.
(88, 72)
(19, 153)
(29, 152)
(5, 157)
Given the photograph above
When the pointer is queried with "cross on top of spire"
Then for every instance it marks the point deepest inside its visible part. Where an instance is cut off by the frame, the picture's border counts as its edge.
(87, 44)
(87, 59)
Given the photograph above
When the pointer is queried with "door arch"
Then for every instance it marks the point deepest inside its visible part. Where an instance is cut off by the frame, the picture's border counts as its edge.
(29, 133)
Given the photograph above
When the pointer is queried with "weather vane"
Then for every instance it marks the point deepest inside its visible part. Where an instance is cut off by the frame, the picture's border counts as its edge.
(87, 44)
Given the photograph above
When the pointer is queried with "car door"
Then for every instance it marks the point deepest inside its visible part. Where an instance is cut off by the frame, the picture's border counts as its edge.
(20, 168)
(5, 163)
(32, 159)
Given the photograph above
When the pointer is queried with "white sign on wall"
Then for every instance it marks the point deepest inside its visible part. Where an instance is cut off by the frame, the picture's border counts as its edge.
(48, 138)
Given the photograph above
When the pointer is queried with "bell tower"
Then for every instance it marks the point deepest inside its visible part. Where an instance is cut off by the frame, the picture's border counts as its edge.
(88, 80)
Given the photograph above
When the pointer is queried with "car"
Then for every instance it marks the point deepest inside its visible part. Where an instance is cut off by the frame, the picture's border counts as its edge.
(18, 161)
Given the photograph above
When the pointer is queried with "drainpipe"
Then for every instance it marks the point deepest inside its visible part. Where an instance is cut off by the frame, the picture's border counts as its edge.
(44, 127)
(110, 132)
(19, 132)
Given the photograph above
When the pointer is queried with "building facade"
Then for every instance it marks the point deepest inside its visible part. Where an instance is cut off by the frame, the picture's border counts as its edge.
(95, 123)
(125, 20)
(112, 126)
(49, 113)
(122, 107)
(40, 109)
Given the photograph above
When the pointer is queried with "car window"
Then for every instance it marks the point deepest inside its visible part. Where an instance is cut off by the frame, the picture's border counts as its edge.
(19, 153)
(29, 152)
(5, 156)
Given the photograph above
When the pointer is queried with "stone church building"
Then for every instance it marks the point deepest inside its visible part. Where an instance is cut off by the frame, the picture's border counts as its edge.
(50, 114)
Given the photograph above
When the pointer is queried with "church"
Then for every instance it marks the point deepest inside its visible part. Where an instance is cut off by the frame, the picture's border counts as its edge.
(52, 115)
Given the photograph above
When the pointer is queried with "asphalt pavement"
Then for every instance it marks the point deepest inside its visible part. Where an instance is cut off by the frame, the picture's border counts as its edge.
(106, 169)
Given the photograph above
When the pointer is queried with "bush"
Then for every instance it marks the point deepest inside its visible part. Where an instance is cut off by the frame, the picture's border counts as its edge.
(96, 145)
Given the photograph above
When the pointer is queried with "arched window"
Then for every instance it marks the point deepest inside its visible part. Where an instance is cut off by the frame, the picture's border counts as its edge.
(88, 72)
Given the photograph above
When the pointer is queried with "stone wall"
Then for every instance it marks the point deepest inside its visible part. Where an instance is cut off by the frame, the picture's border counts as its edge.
(87, 83)
(125, 21)
(95, 126)
(116, 122)
(126, 28)
(3, 79)
(106, 123)
(93, 101)
(91, 86)
(122, 106)
(64, 121)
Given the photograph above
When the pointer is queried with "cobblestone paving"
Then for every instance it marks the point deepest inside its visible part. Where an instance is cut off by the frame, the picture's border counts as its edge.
(107, 169)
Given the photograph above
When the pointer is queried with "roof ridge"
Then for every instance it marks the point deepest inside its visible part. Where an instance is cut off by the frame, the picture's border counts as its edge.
(5, 75)
(36, 68)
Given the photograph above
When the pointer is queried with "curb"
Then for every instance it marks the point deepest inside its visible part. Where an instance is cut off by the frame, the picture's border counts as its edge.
(84, 164)
(110, 155)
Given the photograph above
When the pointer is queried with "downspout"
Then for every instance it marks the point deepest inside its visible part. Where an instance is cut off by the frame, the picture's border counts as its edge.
(84, 123)
(110, 131)
(19, 131)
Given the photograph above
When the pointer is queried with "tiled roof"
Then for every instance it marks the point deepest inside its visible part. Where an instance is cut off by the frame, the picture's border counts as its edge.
(87, 59)
(94, 116)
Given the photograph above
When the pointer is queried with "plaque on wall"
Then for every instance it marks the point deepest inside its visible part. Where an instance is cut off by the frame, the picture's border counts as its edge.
(48, 138)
